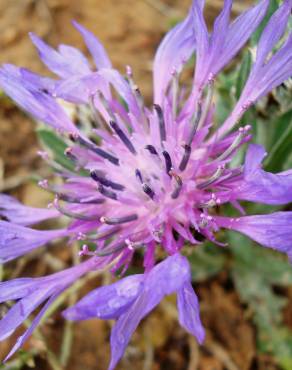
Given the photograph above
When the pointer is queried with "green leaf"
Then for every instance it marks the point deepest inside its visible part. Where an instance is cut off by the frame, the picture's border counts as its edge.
(56, 146)
(281, 149)
(206, 261)
(255, 272)
(274, 4)
(243, 72)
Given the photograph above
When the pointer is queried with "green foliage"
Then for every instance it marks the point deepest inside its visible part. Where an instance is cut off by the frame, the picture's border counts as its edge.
(280, 155)
(56, 146)
(256, 271)
(243, 72)
(274, 4)
(206, 261)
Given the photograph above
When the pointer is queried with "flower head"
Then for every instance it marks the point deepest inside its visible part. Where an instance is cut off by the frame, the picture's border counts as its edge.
(152, 177)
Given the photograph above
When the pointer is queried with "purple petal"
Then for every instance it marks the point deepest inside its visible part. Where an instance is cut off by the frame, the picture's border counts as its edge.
(273, 32)
(238, 33)
(22, 309)
(29, 80)
(42, 106)
(79, 89)
(175, 49)
(20, 340)
(273, 230)
(95, 47)
(220, 29)
(189, 312)
(17, 240)
(16, 288)
(32, 292)
(107, 302)
(202, 43)
(122, 87)
(165, 278)
(20, 214)
(126, 325)
(260, 186)
(64, 62)
(33, 81)
(276, 71)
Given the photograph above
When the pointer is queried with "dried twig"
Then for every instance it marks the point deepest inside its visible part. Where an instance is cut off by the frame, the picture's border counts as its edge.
(194, 353)
(221, 354)
(67, 340)
(164, 9)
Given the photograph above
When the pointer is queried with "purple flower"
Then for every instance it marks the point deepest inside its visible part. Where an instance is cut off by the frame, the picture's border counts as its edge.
(32, 292)
(129, 300)
(155, 177)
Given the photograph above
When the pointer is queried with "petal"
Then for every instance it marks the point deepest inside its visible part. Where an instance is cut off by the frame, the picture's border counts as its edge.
(79, 89)
(189, 312)
(273, 32)
(175, 49)
(261, 186)
(202, 43)
(238, 33)
(22, 309)
(125, 327)
(122, 87)
(273, 230)
(165, 278)
(95, 47)
(16, 288)
(42, 106)
(20, 340)
(276, 71)
(30, 80)
(17, 240)
(107, 302)
(20, 214)
(64, 62)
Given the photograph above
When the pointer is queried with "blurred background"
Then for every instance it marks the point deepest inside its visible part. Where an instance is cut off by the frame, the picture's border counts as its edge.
(245, 292)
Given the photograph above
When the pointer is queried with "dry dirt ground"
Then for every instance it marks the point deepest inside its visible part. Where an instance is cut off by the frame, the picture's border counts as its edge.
(130, 30)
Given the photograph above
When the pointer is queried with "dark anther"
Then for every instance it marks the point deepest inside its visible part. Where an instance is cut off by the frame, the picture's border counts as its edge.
(178, 186)
(146, 188)
(185, 158)
(107, 193)
(151, 149)
(102, 180)
(124, 138)
(162, 129)
(89, 145)
(139, 175)
(168, 162)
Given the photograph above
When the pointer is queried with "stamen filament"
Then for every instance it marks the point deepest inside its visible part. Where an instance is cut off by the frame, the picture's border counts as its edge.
(208, 102)
(212, 179)
(71, 214)
(234, 145)
(119, 220)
